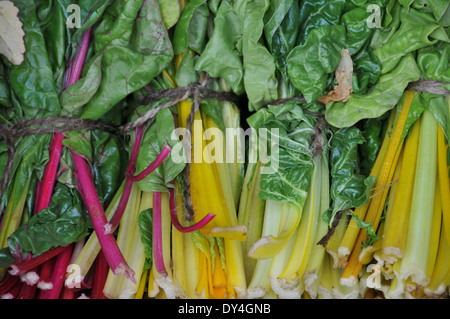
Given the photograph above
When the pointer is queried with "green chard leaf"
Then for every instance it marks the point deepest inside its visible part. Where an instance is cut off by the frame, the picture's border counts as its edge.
(132, 55)
(317, 13)
(260, 81)
(90, 13)
(281, 27)
(220, 58)
(145, 223)
(417, 30)
(170, 12)
(108, 166)
(190, 29)
(156, 136)
(77, 95)
(349, 188)
(33, 81)
(79, 142)
(288, 136)
(372, 130)
(309, 65)
(4, 88)
(382, 97)
(62, 223)
(53, 24)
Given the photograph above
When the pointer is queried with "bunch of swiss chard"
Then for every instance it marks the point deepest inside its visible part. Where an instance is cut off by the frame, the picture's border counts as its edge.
(61, 183)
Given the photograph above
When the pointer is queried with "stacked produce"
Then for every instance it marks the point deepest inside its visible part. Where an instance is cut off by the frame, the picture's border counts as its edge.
(225, 149)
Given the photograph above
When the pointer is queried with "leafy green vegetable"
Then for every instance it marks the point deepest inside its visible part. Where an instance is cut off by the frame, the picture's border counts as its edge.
(170, 12)
(417, 30)
(349, 188)
(108, 165)
(79, 142)
(372, 131)
(281, 27)
(310, 64)
(314, 14)
(382, 97)
(4, 87)
(220, 58)
(145, 222)
(33, 81)
(291, 158)
(53, 25)
(132, 55)
(155, 137)
(370, 232)
(190, 33)
(90, 13)
(62, 223)
(260, 81)
(77, 95)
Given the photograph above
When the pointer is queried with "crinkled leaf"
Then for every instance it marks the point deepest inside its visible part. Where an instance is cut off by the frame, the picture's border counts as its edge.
(292, 166)
(107, 164)
(372, 130)
(53, 25)
(132, 54)
(366, 72)
(281, 27)
(155, 137)
(358, 30)
(90, 13)
(33, 81)
(388, 26)
(30, 158)
(349, 188)
(417, 30)
(62, 223)
(145, 223)
(260, 81)
(220, 59)
(317, 13)
(434, 62)
(309, 65)
(289, 184)
(382, 97)
(439, 8)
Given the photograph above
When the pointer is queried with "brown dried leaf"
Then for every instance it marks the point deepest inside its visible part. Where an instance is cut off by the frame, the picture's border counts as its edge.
(344, 76)
(11, 35)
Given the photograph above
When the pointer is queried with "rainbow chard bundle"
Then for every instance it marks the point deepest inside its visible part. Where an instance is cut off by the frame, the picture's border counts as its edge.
(224, 149)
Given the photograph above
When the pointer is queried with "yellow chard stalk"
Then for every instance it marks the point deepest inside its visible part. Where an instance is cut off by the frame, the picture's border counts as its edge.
(439, 282)
(397, 219)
